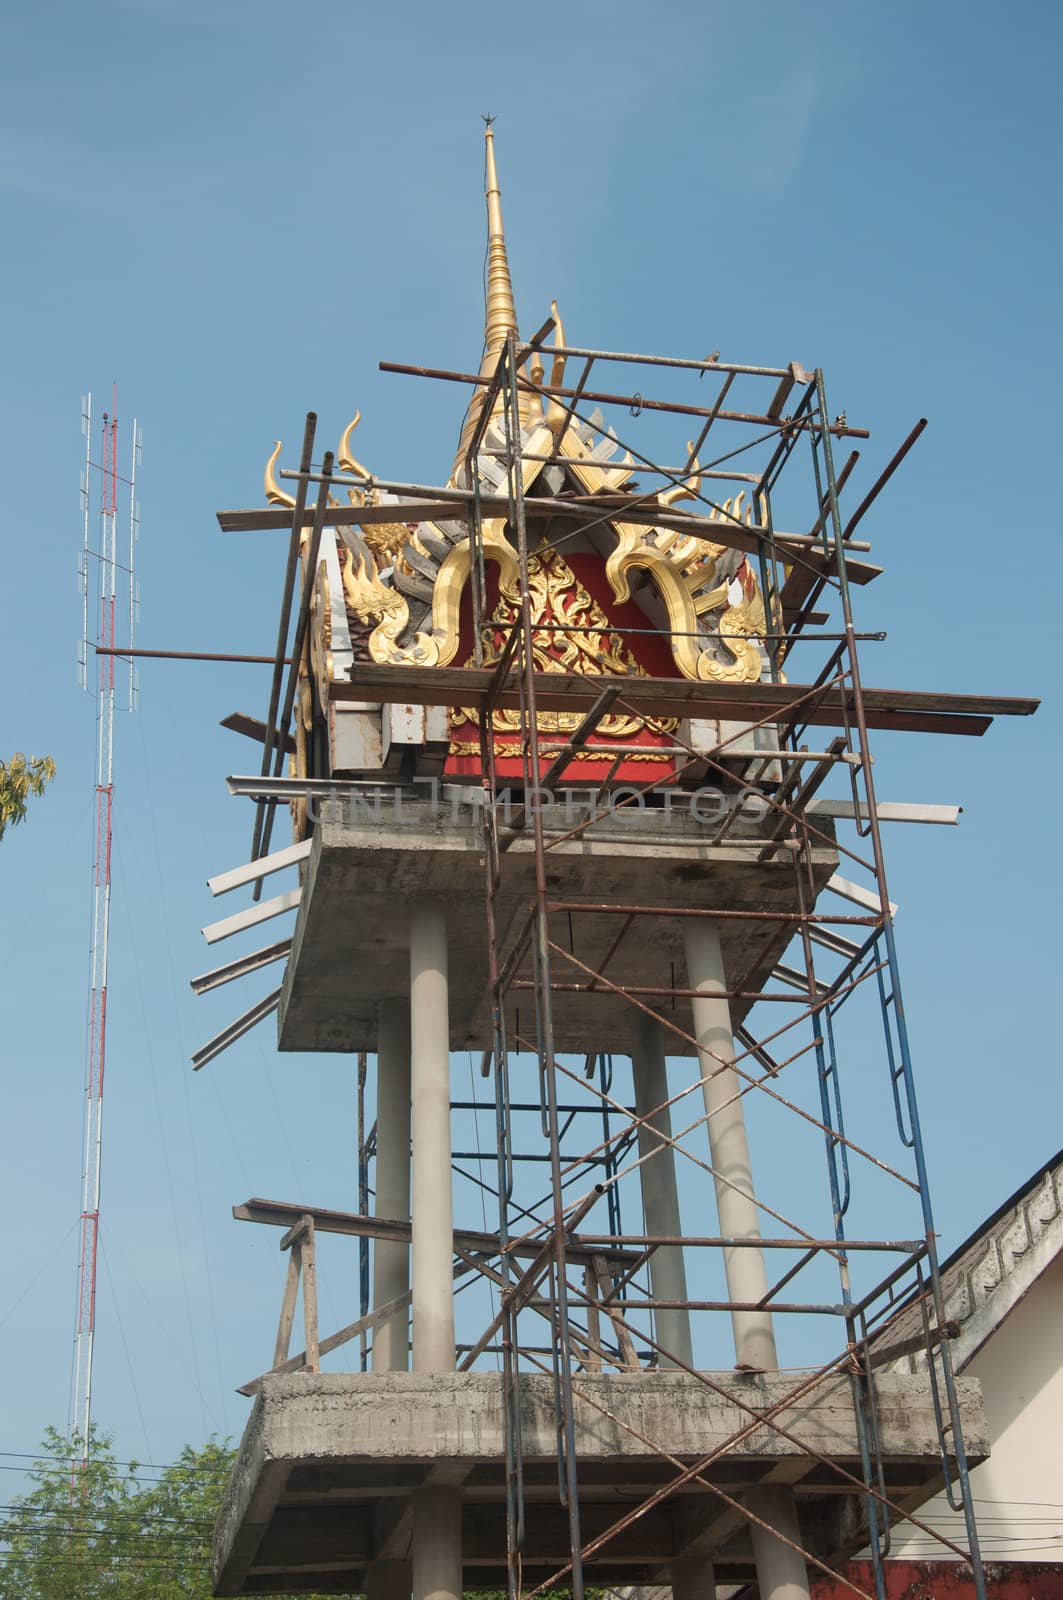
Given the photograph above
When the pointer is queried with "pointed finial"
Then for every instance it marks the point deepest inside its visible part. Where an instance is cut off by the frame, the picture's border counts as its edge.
(501, 311)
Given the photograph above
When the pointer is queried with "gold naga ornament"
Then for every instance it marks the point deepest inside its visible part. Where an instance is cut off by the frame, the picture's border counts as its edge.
(589, 645)
(715, 610)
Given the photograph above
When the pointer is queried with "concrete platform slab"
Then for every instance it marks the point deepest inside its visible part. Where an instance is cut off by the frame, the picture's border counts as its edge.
(323, 1483)
(365, 871)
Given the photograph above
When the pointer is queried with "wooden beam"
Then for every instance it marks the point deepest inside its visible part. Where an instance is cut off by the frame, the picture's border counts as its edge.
(287, 1316)
(312, 1354)
(608, 507)
(253, 728)
(333, 1341)
(625, 1343)
(281, 1214)
(907, 710)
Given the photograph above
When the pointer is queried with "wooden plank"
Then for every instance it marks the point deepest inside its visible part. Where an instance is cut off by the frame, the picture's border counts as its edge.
(261, 521)
(287, 1316)
(332, 1342)
(237, 722)
(909, 710)
(624, 1340)
(282, 1214)
(309, 1254)
(590, 1284)
(590, 1351)
(592, 507)
(297, 1233)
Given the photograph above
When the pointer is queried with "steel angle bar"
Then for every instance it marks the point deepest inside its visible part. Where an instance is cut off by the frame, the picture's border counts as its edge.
(241, 967)
(889, 811)
(798, 980)
(262, 868)
(236, 1030)
(278, 788)
(857, 895)
(834, 942)
(251, 916)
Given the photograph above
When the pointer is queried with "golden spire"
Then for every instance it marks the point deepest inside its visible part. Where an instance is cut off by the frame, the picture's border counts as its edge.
(501, 313)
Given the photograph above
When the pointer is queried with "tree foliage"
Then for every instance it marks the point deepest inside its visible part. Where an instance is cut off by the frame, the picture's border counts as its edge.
(20, 778)
(113, 1529)
(116, 1530)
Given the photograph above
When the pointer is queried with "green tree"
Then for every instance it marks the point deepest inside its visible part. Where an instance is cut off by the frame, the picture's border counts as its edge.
(112, 1530)
(20, 778)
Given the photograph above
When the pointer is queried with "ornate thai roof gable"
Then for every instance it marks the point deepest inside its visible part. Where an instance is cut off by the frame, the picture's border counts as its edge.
(402, 582)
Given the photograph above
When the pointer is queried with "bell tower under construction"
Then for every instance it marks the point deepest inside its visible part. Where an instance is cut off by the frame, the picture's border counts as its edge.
(588, 882)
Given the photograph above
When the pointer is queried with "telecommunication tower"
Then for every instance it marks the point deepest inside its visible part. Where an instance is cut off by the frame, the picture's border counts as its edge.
(113, 583)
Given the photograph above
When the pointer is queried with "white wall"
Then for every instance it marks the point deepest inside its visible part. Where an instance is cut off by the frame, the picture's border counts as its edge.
(1019, 1490)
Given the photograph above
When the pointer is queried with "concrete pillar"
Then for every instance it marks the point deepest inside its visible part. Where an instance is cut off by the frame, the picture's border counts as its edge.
(660, 1200)
(391, 1260)
(728, 1146)
(781, 1573)
(433, 1227)
(693, 1578)
(436, 1546)
(436, 1542)
(388, 1580)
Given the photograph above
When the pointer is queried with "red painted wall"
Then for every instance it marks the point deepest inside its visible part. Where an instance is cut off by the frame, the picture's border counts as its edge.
(949, 1580)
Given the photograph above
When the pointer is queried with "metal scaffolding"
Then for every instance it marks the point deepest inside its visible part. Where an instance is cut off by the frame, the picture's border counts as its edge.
(840, 981)
(855, 949)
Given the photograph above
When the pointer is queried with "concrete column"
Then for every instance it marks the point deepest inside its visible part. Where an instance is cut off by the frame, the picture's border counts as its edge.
(728, 1146)
(436, 1532)
(693, 1578)
(436, 1541)
(660, 1200)
(388, 1580)
(780, 1571)
(391, 1260)
(433, 1228)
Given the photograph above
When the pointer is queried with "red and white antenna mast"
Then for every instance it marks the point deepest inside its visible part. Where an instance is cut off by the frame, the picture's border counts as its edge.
(115, 594)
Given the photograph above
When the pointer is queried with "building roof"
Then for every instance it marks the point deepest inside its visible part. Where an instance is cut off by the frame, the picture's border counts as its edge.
(995, 1268)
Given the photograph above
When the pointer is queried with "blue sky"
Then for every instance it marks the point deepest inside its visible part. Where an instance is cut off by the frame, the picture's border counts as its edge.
(236, 211)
